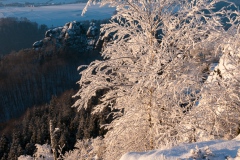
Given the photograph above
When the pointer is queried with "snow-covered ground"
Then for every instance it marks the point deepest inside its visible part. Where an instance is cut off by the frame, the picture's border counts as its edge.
(57, 15)
(209, 150)
(214, 150)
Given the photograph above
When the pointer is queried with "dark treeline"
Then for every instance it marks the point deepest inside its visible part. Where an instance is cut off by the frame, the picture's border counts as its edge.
(17, 34)
(28, 78)
(20, 136)
(30, 81)
(31, 76)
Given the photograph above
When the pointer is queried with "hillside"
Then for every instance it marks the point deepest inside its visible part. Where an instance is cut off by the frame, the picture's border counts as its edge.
(168, 76)
(17, 34)
(37, 85)
(45, 70)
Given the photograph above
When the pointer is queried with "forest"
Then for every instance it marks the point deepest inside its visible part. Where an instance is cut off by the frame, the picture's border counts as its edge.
(167, 73)
(17, 34)
(36, 86)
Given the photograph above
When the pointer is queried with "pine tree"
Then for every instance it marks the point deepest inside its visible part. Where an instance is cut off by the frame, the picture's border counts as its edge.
(16, 148)
(4, 145)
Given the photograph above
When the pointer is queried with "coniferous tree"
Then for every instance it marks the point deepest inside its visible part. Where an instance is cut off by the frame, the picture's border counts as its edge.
(4, 146)
(16, 148)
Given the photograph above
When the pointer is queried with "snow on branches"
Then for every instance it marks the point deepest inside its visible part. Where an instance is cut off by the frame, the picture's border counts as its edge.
(154, 69)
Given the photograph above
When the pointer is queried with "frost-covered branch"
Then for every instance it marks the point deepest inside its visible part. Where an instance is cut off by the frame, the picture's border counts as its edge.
(155, 70)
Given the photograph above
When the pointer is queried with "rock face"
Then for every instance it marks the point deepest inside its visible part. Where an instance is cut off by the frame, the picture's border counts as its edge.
(72, 34)
(92, 30)
(38, 44)
(92, 36)
(103, 40)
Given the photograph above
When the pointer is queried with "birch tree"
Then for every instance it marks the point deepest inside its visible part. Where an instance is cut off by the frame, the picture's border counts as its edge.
(153, 70)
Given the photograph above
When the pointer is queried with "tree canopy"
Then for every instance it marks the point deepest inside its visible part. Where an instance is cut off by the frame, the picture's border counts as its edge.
(155, 70)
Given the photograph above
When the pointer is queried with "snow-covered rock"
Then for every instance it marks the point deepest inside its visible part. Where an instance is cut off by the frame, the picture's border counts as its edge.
(38, 44)
(92, 30)
(72, 34)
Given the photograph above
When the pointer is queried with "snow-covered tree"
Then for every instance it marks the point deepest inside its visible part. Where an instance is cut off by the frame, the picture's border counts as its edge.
(87, 149)
(153, 70)
(43, 153)
(217, 114)
(53, 133)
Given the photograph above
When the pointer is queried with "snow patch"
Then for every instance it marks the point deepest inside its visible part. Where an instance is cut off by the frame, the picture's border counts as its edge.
(216, 150)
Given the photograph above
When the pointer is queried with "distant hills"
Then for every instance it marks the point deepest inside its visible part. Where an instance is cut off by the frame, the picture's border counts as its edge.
(56, 15)
(38, 2)
(56, 2)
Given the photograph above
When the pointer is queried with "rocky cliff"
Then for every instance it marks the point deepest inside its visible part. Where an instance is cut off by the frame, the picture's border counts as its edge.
(31, 76)
(72, 35)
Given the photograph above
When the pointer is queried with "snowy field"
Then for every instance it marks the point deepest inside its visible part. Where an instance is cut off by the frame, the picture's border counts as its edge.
(212, 150)
(57, 15)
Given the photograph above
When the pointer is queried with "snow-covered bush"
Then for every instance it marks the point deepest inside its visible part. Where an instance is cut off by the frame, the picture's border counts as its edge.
(43, 153)
(22, 157)
(217, 113)
(199, 154)
(88, 149)
(153, 71)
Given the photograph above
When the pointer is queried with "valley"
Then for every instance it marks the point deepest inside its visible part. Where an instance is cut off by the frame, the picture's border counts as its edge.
(57, 15)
